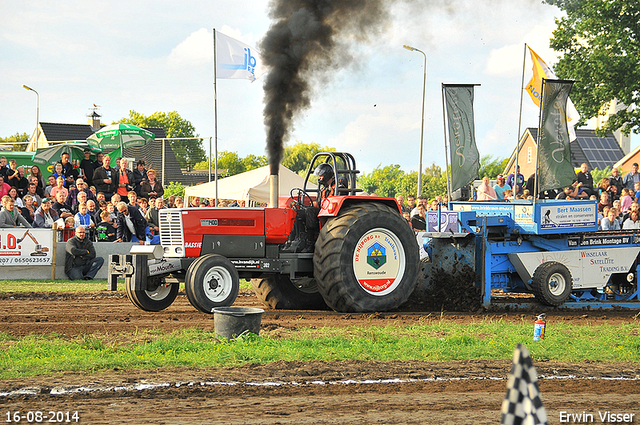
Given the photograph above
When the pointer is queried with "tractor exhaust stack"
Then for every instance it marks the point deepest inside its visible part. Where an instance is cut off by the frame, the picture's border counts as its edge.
(273, 186)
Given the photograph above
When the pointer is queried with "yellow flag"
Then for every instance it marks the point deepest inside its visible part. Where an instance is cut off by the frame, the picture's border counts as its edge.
(540, 70)
(534, 88)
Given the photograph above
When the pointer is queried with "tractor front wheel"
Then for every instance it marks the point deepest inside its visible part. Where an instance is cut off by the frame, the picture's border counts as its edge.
(211, 281)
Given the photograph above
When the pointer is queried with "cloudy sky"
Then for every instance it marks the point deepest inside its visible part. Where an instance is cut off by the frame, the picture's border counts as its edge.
(157, 56)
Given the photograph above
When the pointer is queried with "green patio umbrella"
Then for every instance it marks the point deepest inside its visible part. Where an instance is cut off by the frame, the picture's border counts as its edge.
(120, 136)
(52, 154)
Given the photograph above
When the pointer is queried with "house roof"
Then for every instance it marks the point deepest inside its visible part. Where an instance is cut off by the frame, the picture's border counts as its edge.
(598, 152)
(57, 132)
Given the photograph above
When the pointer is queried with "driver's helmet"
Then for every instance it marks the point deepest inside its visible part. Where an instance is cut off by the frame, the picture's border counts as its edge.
(324, 172)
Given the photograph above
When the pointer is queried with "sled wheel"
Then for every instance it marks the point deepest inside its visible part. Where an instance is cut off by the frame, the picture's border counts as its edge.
(157, 296)
(279, 293)
(366, 259)
(552, 283)
(211, 281)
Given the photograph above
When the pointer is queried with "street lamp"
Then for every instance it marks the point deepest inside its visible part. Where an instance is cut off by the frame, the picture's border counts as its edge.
(37, 114)
(424, 86)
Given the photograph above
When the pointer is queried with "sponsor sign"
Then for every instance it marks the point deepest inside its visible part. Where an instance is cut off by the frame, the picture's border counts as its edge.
(448, 221)
(376, 262)
(567, 216)
(20, 246)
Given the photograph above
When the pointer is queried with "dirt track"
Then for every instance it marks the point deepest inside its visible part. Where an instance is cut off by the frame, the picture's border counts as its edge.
(468, 392)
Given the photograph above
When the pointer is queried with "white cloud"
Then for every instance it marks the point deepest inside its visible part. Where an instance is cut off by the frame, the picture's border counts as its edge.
(195, 50)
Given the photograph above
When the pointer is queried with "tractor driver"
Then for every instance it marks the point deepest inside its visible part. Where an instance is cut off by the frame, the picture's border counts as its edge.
(306, 226)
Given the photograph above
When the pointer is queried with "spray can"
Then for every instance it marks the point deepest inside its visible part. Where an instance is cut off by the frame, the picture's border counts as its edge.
(539, 327)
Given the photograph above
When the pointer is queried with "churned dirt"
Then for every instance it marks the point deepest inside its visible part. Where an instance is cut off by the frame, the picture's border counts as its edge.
(348, 392)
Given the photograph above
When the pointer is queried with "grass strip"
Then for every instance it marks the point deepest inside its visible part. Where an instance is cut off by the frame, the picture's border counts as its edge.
(440, 341)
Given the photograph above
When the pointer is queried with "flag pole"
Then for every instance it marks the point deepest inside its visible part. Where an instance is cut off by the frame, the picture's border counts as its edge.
(215, 116)
(515, 173)
(537, 185)
(446, 155)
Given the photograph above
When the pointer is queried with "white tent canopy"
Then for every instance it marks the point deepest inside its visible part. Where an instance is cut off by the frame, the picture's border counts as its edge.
(248, 186)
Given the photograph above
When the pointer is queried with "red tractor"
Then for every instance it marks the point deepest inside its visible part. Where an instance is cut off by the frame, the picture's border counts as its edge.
(365, 257)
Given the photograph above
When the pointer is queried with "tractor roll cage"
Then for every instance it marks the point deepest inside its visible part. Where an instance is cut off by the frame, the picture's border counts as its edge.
(344, 172)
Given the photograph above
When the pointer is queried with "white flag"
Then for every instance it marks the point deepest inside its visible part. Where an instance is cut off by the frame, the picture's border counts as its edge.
(234, 59)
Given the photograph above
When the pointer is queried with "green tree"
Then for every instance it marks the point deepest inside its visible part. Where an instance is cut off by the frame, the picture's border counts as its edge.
(298, 157)
(18, 141)
(251, 162)
(491, 167)
(188, 152)
(175, 189)
(382, 181)
(600, 48)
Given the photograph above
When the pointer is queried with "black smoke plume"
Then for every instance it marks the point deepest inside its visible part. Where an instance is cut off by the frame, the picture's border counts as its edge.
(308, 41)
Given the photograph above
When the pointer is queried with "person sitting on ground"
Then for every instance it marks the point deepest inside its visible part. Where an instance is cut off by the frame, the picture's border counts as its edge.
(104, 230)
(45, 216)
(610, 222)
(80, 258)
(485, 191)
(9, 216)
(132, 226)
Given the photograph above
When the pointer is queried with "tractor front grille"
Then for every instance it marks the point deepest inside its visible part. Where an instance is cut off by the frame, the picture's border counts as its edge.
(171, 233)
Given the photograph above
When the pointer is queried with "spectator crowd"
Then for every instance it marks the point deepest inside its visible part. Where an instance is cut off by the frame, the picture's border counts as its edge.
(618, 197)
(112, 204)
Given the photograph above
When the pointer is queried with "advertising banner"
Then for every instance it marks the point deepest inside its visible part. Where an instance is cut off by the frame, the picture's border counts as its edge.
(22, 247)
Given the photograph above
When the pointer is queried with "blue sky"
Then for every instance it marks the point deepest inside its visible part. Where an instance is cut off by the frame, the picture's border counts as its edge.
(157, 56)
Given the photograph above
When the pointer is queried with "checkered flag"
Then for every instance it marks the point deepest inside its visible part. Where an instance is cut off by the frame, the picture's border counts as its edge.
(522, 404)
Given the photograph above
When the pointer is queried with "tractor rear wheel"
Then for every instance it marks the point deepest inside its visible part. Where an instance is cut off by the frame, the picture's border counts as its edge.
(211, 281)
(366, 259)
(279, 293)
(552, 283)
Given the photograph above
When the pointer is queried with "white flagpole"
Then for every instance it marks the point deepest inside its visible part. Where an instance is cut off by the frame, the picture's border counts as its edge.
(515, 189)
(215, 113)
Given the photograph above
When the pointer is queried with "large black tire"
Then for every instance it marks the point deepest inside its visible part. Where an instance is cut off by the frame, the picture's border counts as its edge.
(211, 281)
(366, 259)
(552, 283)
(157, 296)
(279, 293)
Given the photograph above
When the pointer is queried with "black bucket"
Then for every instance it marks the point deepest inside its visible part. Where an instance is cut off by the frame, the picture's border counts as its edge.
(230, 322)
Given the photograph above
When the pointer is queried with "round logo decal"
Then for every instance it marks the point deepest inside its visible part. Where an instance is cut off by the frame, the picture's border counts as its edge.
(378, 261)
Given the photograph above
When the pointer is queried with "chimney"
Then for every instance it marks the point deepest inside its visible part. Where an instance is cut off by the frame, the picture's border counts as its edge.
(94, 121)
(273, 186)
